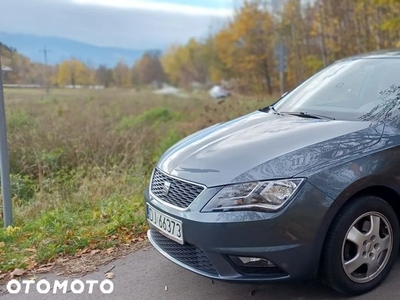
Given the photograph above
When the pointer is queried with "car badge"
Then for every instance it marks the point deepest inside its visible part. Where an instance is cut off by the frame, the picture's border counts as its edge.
(167, 186)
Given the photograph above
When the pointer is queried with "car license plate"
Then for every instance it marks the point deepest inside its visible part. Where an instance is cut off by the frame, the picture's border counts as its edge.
(170, 227)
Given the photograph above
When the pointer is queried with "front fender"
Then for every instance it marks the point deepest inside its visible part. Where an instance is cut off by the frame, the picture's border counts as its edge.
(343, 181)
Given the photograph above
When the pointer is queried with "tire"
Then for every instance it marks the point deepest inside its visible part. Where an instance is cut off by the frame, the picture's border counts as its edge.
(361, 246)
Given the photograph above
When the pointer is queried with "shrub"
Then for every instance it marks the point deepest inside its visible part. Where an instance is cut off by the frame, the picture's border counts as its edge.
(22, 187)
(19, 120)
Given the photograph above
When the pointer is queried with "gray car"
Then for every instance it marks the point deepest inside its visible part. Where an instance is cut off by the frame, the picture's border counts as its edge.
(308, 187)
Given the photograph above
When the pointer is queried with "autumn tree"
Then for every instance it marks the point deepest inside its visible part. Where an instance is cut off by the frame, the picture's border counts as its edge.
(393, 22)
(122, 74)
(23, 71)
(197, 61)
(246, 46)
(173, 64)
(73, 72)
(104, 76)
(148, 69)
(315, 34)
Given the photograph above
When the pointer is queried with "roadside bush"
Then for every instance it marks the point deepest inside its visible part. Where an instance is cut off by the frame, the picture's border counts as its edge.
(19, 120)
(157, 115)
(23, 188)
(152, 117)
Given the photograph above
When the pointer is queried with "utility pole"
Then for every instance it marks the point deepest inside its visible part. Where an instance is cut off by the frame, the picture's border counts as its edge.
(45, 52)
(4, 161)
(280, 51)
(281, 56)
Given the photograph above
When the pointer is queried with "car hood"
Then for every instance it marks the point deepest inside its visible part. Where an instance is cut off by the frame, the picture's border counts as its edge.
(262, 146)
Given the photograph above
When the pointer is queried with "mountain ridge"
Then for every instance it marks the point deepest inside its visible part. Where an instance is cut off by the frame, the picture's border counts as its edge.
(60, 49)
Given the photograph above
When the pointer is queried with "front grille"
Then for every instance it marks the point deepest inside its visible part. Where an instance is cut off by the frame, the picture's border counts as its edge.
(187, 254)
(180, 194)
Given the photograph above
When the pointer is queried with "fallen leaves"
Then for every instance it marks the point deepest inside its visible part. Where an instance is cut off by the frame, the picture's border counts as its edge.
(17, 273)
(31, 264)
(62, 260)
(83, 262)
(96, 251)
(83, 251)
(44, 269)
(138, 239)
(110, 250)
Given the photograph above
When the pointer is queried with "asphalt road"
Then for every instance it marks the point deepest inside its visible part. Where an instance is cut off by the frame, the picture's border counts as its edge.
(146, 274)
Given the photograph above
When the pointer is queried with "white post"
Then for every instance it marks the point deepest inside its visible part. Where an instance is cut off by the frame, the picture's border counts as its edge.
(4, 162)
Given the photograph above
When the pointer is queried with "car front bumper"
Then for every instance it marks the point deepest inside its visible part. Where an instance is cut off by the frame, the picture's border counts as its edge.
(290, 239)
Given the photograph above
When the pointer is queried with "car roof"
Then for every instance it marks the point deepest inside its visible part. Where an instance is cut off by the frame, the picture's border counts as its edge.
(388, 53)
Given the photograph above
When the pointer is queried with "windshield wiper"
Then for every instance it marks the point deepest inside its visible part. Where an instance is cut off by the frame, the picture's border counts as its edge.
(269, 108)
(304, 114)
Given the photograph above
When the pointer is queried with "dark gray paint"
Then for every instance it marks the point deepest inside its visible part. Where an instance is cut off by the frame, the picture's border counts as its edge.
(264, 146)
(338, 158)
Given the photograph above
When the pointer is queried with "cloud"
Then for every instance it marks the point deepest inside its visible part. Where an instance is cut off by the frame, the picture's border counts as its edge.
(167, 7)
(115, 25)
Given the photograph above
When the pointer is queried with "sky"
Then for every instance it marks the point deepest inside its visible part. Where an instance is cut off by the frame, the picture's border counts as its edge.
(132, 24)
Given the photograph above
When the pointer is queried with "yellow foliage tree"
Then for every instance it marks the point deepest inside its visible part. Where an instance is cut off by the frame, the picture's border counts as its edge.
(194, 62)
(315, 34)
(73, 72)
(122, 74)
(245, 47)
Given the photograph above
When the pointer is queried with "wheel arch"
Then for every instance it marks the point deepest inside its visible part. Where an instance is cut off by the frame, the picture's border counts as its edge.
(382, 187)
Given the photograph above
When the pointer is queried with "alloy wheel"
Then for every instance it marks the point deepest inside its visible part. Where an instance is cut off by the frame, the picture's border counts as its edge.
(367, 247)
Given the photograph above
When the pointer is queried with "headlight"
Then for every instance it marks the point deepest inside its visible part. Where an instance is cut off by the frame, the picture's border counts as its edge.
(265, 195)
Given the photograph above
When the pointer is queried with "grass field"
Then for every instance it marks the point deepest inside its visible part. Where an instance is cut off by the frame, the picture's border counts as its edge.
(80, 160)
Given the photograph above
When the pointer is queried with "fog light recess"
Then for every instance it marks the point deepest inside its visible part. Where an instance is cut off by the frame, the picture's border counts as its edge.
(253, 262)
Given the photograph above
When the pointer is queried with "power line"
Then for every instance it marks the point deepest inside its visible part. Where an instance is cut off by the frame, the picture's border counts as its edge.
(45, 53)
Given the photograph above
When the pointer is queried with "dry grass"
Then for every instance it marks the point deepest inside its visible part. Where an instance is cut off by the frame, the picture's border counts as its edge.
(80, 160)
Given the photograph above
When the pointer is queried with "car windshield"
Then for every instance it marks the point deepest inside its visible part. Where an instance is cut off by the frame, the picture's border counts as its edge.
(360, 89)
